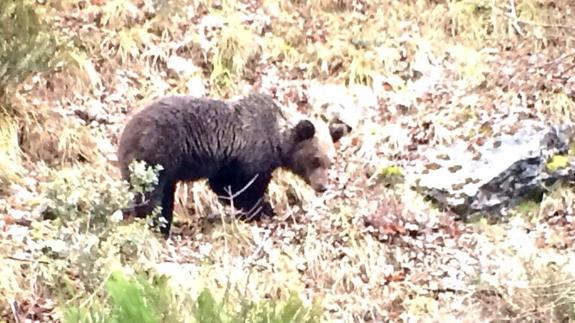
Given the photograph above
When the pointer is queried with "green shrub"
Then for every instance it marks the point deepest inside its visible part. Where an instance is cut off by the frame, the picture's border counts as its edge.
(207, 309)
(137, 299)
(131, 300)
(291, 310)
(84, 197)
(89, 198)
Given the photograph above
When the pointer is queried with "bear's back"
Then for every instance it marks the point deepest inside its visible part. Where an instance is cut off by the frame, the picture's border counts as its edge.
(195, 137)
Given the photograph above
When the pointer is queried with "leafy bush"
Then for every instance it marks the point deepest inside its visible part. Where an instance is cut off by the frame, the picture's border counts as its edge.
(143, 178)
(91, 197)
(80, 195)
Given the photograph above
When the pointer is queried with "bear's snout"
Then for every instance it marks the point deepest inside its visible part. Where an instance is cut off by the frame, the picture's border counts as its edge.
(320, 188)
(318, 180)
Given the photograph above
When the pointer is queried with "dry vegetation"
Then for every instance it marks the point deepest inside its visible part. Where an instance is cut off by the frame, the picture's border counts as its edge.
(364, 251)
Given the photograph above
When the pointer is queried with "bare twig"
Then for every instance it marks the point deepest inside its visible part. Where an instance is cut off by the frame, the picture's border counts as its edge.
(13, 307)
(26, 260)
(538, 24)
(230, 197)
(568, 69)
(557, 60)
(254, 211)
(260, 246)
(256, 208)
(513, 15)
(234, 195)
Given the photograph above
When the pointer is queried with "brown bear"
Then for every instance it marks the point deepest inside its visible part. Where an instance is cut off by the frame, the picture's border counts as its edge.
(236, 145)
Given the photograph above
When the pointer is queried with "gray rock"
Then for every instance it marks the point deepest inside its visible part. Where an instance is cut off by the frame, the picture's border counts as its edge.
(494, 176)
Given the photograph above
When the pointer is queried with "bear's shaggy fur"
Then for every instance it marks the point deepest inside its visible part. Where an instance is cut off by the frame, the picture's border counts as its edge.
(232, 144)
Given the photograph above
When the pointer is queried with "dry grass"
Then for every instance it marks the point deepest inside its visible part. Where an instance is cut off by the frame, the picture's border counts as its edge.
(529, 282)
(10, 154)
(57, 140)
(558, 106)
(234, 54)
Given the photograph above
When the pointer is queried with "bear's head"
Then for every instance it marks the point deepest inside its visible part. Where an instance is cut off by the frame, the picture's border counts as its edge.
(313, 152)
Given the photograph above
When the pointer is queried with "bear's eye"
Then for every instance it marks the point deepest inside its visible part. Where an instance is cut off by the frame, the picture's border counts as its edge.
(316, 162)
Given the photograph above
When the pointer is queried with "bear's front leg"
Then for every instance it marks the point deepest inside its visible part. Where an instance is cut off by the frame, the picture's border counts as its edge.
(168, 208)
(143, 205)
(162, 195)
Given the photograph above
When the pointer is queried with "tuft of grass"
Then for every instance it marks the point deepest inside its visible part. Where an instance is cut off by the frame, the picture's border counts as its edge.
(361, 68)
(469, 19)
(389, 175)
(233, 55)
(196, 200)
(290, 310)
(132, 42)
(472, 68)
(528, 209)
(54, 139)
(557, 106)
(544, 291)
(117, 13)
(287, 189)
(81, 66)
(282, 51)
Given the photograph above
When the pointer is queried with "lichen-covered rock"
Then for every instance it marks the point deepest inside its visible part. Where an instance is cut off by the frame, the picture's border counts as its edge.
(496, 175)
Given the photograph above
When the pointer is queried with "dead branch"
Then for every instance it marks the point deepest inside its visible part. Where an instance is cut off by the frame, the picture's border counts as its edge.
(512, 14)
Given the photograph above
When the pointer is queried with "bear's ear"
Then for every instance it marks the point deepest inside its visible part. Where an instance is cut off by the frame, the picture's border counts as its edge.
(338, 130)
(304, 130)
